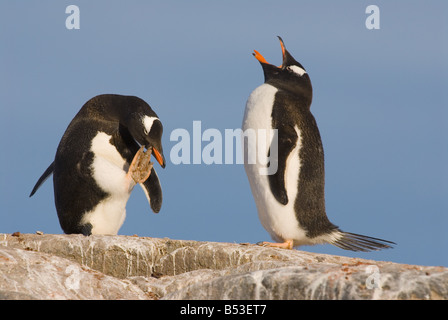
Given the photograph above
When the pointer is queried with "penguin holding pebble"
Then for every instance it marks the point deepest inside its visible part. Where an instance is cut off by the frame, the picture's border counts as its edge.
(291, 201)
(102, 155)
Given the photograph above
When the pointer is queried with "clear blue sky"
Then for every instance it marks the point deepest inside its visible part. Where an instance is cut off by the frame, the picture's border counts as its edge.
(380, 100)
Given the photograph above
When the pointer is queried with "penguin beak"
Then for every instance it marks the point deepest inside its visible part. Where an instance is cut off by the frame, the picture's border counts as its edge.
(288, 59)
(159, 157)
(261, 59)
(283, 51)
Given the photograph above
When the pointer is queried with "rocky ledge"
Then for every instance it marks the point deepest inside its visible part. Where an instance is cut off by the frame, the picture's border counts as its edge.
(34, 266)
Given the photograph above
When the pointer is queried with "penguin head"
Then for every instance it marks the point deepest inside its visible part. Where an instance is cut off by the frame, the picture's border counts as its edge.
(290, 75)
(147, 130)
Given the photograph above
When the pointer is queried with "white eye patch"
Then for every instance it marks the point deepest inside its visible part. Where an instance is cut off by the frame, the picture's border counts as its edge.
(147, 123)
(296, 70)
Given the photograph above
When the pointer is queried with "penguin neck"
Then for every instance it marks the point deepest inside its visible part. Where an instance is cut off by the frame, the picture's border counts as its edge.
(300, 90)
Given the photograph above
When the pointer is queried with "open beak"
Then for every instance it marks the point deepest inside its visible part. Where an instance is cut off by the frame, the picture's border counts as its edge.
(261, 59)
(159, 157)
(283, 50)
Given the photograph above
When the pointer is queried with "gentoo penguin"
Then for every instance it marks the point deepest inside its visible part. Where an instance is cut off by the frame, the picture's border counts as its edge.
(99, 160)
(290, 201)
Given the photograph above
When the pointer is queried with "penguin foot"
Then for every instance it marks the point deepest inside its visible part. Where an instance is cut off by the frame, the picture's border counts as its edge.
(141, 166)
(284, 245)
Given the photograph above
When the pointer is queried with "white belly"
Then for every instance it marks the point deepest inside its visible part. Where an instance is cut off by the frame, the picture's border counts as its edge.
(278, 219)
(109, 171)
(107, 217)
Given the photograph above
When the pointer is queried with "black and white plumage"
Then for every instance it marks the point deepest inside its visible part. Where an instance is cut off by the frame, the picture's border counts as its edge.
(100, 159)
(291, 202)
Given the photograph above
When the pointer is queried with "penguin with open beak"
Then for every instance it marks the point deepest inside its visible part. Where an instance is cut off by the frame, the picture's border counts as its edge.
(291, 200)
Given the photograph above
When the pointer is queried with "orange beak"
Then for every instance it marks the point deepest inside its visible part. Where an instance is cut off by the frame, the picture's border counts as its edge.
(283, 50)
(260, 58)
(159, 157)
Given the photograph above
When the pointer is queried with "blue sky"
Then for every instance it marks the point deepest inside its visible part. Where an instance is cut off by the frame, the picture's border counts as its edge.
(380, 100)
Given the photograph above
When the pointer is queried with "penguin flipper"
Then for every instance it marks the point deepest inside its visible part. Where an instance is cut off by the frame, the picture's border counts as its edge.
(153, 191)
(287, 140)
(43, 178)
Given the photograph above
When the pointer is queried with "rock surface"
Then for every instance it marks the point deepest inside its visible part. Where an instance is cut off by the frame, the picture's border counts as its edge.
(125, 267)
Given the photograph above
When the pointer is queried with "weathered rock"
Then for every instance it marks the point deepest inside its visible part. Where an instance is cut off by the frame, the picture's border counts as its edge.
(124, 267)
(32, 275)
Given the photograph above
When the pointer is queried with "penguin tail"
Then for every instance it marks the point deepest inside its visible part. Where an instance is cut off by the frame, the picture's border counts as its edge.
(43, 178)
(358, 242)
